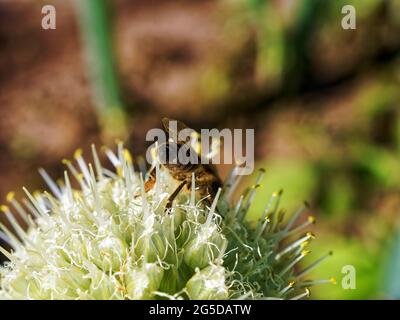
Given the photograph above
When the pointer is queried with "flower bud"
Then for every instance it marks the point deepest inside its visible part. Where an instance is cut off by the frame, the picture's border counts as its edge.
(108, 253)
(204, 248)
(142, 282)
(208, 283)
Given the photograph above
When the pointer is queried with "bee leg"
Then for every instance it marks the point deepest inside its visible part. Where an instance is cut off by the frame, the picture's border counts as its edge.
(174, 194)
(149, 184)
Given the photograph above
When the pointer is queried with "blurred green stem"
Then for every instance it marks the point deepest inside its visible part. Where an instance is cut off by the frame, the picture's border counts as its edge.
(95, 29)
(392, 275)
(298, 41)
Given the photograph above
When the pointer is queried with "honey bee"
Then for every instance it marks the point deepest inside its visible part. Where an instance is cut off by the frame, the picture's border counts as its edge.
(207, 181)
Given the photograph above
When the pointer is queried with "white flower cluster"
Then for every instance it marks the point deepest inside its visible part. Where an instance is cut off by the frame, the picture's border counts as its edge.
(109, 239)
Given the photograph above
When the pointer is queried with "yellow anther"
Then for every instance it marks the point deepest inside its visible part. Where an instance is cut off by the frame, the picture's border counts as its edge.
(37, 194)
(291, 284)
(4, 208)
(305, 252)
(333, 280)
(304, 244)
(119, 171)
(197, 147)
(10, 196)
(65, 161)
(311, 219)
(78, 153)
(311, 235)
(153, 153)
(127, 156)
(194, 134)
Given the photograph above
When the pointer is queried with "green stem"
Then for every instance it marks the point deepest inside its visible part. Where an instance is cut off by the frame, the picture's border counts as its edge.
(95, 29)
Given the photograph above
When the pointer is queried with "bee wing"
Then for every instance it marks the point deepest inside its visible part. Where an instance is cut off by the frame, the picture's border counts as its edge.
(180, 126)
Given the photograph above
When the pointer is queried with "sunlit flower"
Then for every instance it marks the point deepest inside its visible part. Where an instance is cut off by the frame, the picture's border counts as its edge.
(109, 239)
